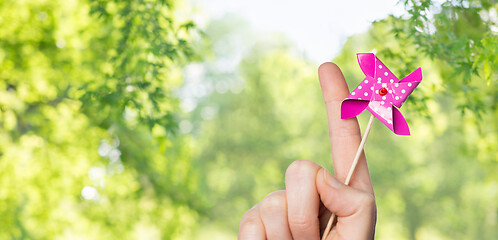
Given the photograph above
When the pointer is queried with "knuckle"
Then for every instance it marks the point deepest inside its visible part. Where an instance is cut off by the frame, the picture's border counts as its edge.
(368, 201)
(249, 222)
(300, 222)
(248, 214)
(250, 225)
(274, 202)
(347, 131)
(249, 230)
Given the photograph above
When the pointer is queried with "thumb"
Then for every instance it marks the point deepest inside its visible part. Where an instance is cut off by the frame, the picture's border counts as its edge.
(355, 209)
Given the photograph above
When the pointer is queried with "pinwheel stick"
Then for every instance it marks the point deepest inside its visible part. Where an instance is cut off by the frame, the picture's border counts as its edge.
(351, 171)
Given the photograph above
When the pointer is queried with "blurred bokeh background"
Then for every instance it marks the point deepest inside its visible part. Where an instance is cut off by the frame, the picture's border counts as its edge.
(168, 119)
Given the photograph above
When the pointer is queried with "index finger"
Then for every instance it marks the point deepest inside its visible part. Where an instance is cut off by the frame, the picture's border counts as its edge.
(345, 135)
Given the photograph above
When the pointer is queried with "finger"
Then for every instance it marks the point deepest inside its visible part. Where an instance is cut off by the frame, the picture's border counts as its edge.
(345, 135)
(302, 199)
(273, 212)
(355, 209)
(251, 227)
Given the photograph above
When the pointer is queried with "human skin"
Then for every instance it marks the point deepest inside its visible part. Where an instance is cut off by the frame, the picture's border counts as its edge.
(302, 210)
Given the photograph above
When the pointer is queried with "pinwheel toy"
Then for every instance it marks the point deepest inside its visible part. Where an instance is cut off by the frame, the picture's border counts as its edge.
(381, 93)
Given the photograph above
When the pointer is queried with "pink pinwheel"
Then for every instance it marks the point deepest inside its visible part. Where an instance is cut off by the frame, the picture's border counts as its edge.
(381, 93)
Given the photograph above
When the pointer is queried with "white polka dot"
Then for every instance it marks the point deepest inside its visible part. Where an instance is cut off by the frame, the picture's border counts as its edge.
(384, 85)
(389, 121)
(386, 73)
(409, 84)
(366, 94)
(360, 87)
(389, 108)
(359, 98)
(391, 81)
(366, 81)
(396, 84)
(397, 98)
(379, 79)
(380, 66)
(383, 97)
(353, 93)
(390, 91)
(403, 91)
(377, 91)
(382, 102)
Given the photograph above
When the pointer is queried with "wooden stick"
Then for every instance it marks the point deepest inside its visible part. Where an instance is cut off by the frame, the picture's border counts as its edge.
(351, 171)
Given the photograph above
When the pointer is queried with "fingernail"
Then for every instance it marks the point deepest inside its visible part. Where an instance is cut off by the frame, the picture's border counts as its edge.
(331, 180)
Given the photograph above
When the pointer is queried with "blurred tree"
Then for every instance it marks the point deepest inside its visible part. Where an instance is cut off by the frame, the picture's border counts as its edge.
(460, 40)
(87, 121)
(259, 114)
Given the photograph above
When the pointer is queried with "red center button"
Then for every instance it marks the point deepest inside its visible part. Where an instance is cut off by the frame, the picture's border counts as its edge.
(382, 91)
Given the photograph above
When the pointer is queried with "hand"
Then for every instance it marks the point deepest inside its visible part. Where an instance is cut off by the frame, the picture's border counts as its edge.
(302, 210)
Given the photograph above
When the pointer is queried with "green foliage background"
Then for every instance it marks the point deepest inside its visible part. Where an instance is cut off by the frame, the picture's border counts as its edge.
(124, 120)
